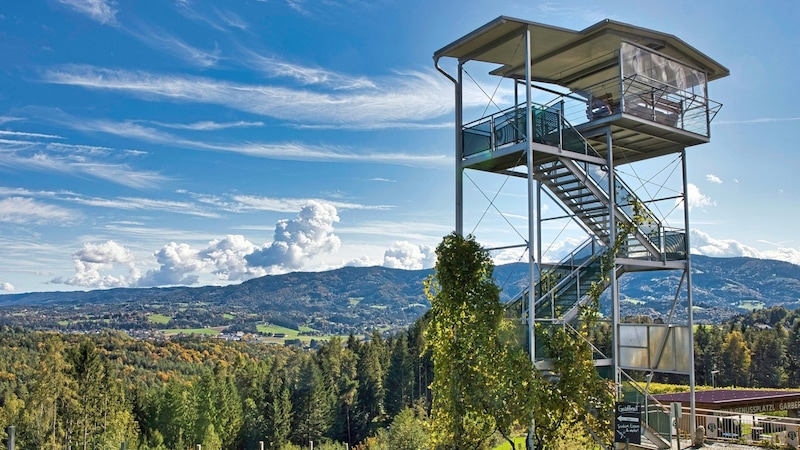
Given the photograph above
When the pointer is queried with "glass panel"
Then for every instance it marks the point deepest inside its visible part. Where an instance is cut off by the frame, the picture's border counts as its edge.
(633, 335)
(633, 358)
(667, 73)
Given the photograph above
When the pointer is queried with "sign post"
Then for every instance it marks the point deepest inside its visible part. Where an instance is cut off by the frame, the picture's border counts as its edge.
(628, 423)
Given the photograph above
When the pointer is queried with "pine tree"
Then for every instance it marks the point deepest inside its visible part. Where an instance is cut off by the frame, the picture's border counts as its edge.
(399, 378)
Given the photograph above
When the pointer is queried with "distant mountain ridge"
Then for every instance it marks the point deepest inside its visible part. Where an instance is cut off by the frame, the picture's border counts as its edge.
(354, 298)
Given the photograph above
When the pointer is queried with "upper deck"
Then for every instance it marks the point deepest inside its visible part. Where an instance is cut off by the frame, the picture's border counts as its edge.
(648, 89)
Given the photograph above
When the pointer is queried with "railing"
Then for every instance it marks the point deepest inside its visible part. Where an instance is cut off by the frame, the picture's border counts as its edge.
(557, 274)
(578, 277)
(508, 127)
(643, 97)
(634, 211)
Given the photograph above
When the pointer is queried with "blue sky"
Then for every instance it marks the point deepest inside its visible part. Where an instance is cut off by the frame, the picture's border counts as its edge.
(200, 142)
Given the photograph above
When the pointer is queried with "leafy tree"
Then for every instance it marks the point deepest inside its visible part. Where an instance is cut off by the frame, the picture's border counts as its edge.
(477, 383)
(735, 360)
(52, 396)
(409, 430)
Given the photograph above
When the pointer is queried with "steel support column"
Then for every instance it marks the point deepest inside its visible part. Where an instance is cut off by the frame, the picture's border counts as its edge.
(689, 300)
(459, 150)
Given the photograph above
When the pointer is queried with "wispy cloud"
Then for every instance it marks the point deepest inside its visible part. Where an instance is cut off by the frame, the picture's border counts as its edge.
(713, 178)
(74, 160)
(145, 204)
(250, 202)
(6, 119)
(412, 97)
(26, 211)
(757, 121)
(209, 125)
(293, 151)
(22, 134)
(164, 41)
(102, 11)
(305, 75)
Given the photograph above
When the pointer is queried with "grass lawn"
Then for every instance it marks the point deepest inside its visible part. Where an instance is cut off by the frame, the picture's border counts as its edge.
(158, 318)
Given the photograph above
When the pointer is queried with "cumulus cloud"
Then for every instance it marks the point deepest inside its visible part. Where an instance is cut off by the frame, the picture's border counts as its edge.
(93, 258)
(297, 240)
(228, 258)
(697, 199)
(179, 262)
(713, 178)
(704, 244)
(7, 287)
(405, 255)
(232, 258)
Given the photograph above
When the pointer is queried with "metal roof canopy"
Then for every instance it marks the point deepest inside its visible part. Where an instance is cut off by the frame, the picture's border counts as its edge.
(565, 57)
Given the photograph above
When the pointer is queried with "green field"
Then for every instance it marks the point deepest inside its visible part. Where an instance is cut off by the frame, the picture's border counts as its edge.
(229, 316)
(158, 318)
(750, 305)
(208, 331)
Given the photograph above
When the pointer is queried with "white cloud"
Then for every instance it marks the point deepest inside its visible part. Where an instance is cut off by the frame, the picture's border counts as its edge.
(228, 257)
(274, 67)
(411, 97)
(79, 160)
(22, 210)
(145, 204)
(7, 287)
(362, 261)
(209, 125)
(293, 151)
(24, 134)
(791, 255)
(697, 199)
(704, 244)
(93, 258)
(713, 178)
(179, 262)
(299, 239)
(405, 255)
(163, 41)
(100, 10)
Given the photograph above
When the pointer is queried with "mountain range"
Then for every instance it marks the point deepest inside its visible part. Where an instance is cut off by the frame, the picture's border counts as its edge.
(353, 299)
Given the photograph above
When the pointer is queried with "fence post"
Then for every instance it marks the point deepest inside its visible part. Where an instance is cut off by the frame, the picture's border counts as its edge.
(11, 430)
(260, 445)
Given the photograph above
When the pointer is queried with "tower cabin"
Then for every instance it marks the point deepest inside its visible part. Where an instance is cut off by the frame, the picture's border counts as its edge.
(649, 89)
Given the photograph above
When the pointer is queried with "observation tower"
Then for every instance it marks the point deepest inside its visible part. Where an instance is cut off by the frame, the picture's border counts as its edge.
(596, 125)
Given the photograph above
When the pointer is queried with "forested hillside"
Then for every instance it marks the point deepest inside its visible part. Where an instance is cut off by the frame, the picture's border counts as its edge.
(100, 389)
(357, 299)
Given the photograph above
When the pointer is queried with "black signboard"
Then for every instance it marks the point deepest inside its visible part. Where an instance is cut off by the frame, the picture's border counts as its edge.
(627, 423)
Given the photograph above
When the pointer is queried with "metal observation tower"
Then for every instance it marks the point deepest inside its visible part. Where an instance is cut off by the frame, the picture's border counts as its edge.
(590, 111)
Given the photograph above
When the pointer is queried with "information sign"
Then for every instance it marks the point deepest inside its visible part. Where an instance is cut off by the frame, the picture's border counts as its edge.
(627, 423)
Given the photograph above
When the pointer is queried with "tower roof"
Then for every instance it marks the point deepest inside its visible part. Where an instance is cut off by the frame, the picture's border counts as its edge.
(567, 57)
